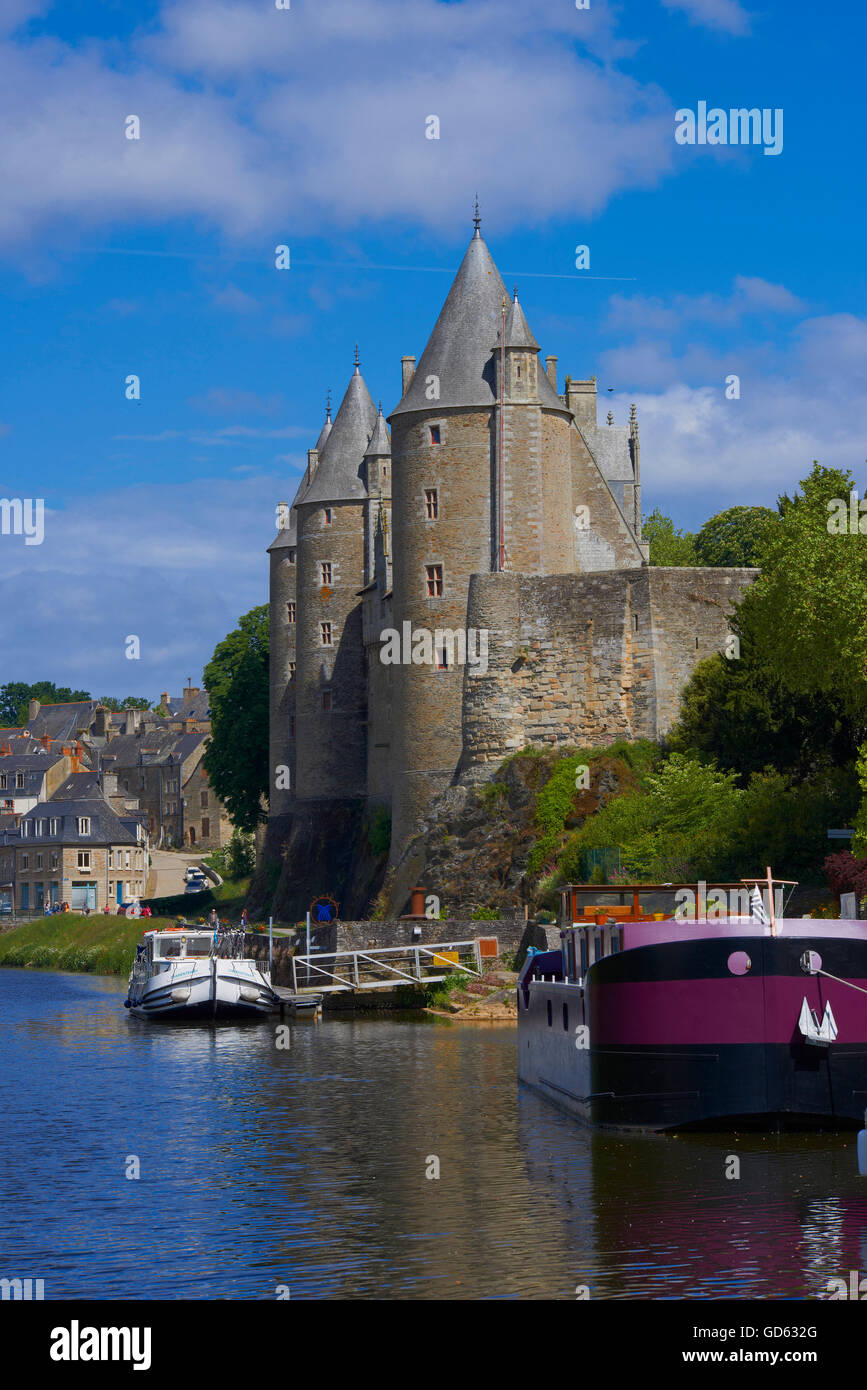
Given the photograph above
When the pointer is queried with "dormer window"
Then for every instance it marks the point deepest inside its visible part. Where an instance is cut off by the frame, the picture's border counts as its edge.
(435, 434)
(84, 825)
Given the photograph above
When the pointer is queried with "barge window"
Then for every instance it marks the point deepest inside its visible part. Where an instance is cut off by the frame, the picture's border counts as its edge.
(549, 1014)
(566, 1017)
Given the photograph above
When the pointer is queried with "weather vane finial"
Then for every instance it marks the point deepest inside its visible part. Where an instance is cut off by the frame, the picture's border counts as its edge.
(328, 404)
(356, 356)
(477, 221)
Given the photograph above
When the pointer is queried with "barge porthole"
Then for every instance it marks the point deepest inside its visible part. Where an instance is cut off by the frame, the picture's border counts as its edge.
(739, 963)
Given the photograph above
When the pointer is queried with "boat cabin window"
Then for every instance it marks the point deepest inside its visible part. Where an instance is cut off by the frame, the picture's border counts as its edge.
(549, 1013)
(566, 1017)
(200, 945)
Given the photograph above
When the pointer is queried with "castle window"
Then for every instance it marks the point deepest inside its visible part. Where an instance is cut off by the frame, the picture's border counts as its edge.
(385, 470)
(325, 634)
(443, 658)
(325, 572)
(635, 621)
(291, 670)
(292, 556)
(290, 612)
(326, 701)
(434, 581)
(431, 503)
(328, 516)
(435, 434)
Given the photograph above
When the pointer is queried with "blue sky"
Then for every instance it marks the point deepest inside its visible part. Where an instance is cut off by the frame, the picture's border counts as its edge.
(307, 127)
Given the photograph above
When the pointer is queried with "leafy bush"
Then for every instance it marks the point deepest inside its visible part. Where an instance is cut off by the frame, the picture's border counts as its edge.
(379, 831)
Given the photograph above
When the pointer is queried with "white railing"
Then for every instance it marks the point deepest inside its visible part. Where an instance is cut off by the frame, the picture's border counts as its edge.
(358, 966)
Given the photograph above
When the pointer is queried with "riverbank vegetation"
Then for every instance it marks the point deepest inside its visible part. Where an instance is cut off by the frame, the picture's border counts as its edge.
(96, 945)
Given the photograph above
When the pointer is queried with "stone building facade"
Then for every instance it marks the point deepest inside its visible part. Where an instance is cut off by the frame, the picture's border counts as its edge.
(497, 507)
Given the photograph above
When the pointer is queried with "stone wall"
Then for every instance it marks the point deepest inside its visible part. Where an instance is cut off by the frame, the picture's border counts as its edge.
(586, 659)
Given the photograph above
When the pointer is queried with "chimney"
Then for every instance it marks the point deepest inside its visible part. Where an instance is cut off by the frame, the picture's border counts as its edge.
(312, 465)
(66, 750)
(33, 710)
(190, 693)
(581, 400)
(164, 698)
(46, 742)
(551, 370)
(109, 784)
(130, 720)
(407, 368)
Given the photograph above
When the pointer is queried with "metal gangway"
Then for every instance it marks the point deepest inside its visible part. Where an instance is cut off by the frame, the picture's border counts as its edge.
(384, 967)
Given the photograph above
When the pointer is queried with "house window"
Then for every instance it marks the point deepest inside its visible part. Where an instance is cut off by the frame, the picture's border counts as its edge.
(291, 670)
(431, 503)
(84, 825)
(19, 780)
(292, 556)
(204, 800)
(326, 701)
(55, 826)
(434, 580)
(206, 827)
(2, 781)
(126, 861)
(290, 612)
(435, 434)
(325, 634)
(39, 862)
(25, 861)
(325, 571)
(84, 859)
(328, 516)
(54, 859)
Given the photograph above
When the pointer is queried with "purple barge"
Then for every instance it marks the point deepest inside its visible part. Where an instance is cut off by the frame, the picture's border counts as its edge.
(652, 1021)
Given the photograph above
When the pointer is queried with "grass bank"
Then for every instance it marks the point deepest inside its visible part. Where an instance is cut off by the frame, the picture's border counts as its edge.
(97, 945)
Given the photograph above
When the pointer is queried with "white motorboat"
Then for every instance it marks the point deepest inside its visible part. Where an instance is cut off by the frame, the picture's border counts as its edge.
(189, 972)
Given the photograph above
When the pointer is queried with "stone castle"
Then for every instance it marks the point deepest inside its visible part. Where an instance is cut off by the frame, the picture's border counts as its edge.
(495, 506)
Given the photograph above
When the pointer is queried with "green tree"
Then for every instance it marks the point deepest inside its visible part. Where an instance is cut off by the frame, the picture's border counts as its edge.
(236, 758)
(668, 546)
(128, 702)
(734, 537)
(739, 714)
(15, 698)
(805, 614)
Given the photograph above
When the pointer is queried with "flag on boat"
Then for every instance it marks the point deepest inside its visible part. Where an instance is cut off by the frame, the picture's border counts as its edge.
(757, 907)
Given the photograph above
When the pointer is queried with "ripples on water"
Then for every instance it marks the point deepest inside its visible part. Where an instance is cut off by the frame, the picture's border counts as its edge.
(306, 1167)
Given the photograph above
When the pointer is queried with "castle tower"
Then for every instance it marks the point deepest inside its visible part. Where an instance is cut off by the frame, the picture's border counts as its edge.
(376, 599)
(533, 469)
(331, 702)
(283, 625)
(441, 439)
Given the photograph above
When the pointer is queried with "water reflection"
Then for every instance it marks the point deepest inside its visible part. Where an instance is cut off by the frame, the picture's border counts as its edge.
(305, 1166)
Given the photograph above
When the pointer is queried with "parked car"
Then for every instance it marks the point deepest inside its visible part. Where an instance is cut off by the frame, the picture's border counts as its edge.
(197, 886)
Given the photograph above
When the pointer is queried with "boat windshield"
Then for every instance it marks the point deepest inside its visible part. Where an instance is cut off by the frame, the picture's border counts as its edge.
(180, 944)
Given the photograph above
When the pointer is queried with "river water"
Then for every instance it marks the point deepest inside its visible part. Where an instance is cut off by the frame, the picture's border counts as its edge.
(303, 1169)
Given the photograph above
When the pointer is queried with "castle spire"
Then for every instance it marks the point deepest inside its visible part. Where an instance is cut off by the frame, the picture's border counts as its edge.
(328, 404)
(357, 373)
(477, 221)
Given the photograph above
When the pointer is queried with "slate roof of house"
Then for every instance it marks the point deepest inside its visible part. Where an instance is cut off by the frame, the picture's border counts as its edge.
(64, 721)
(338, 476)
(106, 827)
(150, 747)
(199, 706)
(33, 765)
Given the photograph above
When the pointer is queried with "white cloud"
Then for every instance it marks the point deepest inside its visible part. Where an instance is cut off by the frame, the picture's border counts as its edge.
(147, 560)
(271, 124)
(726, 15)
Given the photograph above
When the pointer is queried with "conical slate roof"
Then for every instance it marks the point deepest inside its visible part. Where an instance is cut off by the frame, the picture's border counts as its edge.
(518, 333)
(380, 443)
(459, 348)
(337, 479)
(324, 432)
(288, 536)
